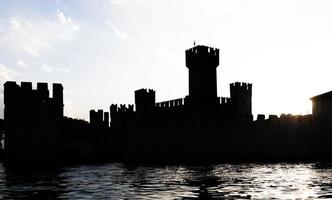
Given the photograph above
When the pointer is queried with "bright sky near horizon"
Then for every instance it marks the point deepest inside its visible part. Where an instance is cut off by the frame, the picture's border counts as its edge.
(103, 50)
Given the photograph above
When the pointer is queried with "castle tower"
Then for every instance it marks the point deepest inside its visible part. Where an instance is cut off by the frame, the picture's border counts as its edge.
(32, 121)
(241, 94)
(145, 100)
(202, 62)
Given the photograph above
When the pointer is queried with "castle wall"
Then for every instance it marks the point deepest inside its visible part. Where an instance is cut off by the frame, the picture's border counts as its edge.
(198, 126)
(32, 121)
(36, 130)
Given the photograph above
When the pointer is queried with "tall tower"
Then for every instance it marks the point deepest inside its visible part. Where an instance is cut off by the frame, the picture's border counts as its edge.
(202, 62)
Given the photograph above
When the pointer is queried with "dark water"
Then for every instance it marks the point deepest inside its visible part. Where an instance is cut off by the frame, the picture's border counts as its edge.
(119, 181)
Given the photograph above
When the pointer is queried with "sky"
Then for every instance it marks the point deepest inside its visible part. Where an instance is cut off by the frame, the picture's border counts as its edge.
(103, 50)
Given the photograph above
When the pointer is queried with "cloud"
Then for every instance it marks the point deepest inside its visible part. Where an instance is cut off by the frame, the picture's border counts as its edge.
(6, 73)
(36, 36)
(46, 68)
(66, 25)
(49, 69)
(61, 17)
(126, 2)
(15, 26)
(119, 33)
(63, 20)
(76, 92)
(21, 63)
(31, 51)
(62, 69)
(118, 2)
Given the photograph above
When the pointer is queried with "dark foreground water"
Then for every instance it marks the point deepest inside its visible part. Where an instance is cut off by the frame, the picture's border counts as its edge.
(119, 181)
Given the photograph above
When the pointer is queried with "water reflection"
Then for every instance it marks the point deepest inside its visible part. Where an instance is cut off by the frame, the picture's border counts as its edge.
(119, 181)
(30, 183)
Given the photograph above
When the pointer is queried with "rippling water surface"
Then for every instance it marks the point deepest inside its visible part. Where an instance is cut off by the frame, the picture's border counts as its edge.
(120, 181)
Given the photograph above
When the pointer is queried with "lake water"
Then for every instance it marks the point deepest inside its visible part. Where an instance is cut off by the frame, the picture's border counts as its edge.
(120, 181)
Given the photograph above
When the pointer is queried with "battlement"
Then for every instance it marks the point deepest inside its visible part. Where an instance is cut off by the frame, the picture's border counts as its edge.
(260, 117)
(99, 117)
(15, 92)
(145, 100)
(28, 85)
(224, 100)
(202, 54)
(145, 95)
(122, 108)
(171, 103)
(241, 91)
(145, 91)
(241, 86)
(284, 120)
(24, 101)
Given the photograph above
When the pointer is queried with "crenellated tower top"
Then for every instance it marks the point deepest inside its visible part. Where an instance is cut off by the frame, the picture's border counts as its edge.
(202, 55)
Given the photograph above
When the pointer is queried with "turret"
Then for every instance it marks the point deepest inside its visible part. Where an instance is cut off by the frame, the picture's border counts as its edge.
(145, 100)
(241, 94)
(31, 116)
(99, 118)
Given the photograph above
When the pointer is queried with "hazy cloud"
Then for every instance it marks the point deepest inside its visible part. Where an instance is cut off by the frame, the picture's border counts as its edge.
(46, 68)
(15, 26)
(119, 33)
(62, 69)
(128, 2)
(21, 63)
(61, 17)
(76, 92)
(31, 51)
(118, 2)
(35, 36)
(49, 69)
(66, 20)
(6, 73)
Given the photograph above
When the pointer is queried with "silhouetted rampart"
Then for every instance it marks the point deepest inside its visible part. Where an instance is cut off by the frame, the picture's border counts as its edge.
(198, 127)
(31, 120)
(37, 132)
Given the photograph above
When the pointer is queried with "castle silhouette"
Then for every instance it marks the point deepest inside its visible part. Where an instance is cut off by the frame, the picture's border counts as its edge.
(201, 127)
